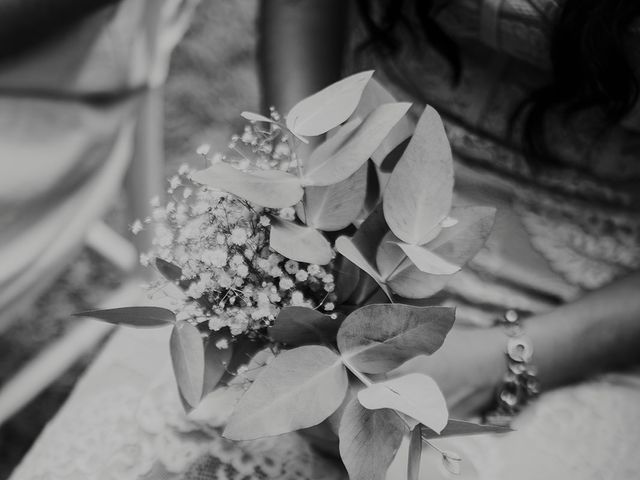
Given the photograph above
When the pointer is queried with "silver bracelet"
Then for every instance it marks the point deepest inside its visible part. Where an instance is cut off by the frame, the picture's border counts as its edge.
(519, 384)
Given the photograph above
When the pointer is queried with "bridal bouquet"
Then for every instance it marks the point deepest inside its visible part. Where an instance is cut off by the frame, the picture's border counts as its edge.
(303, 270)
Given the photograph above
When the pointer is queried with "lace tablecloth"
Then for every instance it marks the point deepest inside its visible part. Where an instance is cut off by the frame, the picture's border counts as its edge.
(124, 421)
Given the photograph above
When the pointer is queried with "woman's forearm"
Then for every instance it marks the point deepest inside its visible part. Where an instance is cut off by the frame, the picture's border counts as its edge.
(599, 332)
(301, 46)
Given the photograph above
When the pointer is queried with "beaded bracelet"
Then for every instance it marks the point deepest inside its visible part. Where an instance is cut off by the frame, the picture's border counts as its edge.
(519, 384)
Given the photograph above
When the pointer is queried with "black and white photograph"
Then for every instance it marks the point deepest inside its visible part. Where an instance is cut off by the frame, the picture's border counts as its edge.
(319, 239)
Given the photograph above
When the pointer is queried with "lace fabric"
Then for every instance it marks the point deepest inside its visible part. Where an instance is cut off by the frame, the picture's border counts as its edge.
(125, 428)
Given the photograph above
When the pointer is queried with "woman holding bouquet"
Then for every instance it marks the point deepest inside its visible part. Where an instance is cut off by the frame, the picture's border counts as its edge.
(540, 100)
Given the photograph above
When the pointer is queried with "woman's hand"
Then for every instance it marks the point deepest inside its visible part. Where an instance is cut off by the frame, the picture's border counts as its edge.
(468, 368)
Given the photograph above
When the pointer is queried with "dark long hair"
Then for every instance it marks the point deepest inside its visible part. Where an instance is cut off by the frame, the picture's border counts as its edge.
(588, 53)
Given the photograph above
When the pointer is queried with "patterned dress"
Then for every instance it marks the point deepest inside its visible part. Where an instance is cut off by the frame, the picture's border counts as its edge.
(559, 233)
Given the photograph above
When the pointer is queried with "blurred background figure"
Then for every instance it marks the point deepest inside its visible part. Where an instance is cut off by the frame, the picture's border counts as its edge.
(81, 94)
(77, 88)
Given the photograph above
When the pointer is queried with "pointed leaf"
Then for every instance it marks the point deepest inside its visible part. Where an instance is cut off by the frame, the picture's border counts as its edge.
(216, 407)
(216, 359)
(299, 242)
(402, 276)
(378, 338)
(336, 206)
(298, 389)
(267, 188)
(415, 395)
(329, 107)
(143, 317)
(187, 357)
(369, 440)
(346, 247)
(373, 96)
(349, 156)
(302, 326)
(362, 247)
(456, 428)
(460, 242)
(171, 272)
(347, 276)
(419, 193)
(427, 261)
(256, 117)
(415, 455)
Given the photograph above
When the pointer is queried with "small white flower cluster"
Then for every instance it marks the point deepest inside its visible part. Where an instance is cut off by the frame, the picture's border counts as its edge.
(221, 243)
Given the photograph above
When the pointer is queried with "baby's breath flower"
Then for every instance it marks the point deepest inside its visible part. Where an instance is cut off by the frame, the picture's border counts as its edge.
(291, 266)
(238, 236)
(285, 283)
(203, 149)
(216, 257)
(136, 227)
(174, 182)
(297, 299)
(265, 221)
(288, 213)
(302, 275)
(313, 269)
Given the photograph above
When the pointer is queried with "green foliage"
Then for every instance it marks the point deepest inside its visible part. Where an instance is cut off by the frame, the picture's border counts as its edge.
(328, 108)
(267, 188)
(187, 357)
(369, 440)
(414, 395)
(141, 317)
(379, 338)
(299, 242)
(298, 389)
(296, 326)
(379, 194)
(419, 193)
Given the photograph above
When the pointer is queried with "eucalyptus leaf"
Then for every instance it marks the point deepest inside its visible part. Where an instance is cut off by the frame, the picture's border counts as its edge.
(461, 241)
(297, 326)
(373, 96)
(142, 317)
(345, 246)
(187, 357)
(369, 440)
(427, 261)
(299, 242)
(380, 337)
(171, 272)
(256, 117)
(216, 359)
(416, 395)
(347, 157)
(419, 193)
(415, 454)
(336, 206)
(347, 276)
(267, 188)
(298, 389)
(402, 276)
(362, 247)
(329, 107)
